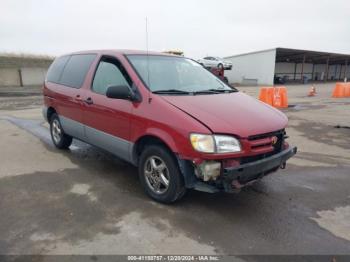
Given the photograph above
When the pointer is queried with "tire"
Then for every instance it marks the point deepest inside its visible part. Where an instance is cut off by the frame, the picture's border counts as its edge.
(220, 66)
(156, 166)
(59, 138)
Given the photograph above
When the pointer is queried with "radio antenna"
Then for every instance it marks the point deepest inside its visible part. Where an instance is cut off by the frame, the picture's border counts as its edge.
(147, 55)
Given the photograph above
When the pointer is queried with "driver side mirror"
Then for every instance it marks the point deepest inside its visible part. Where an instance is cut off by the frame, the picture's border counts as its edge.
(120, 92)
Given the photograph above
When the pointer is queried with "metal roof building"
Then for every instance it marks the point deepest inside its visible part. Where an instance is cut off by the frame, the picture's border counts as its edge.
(292, 65)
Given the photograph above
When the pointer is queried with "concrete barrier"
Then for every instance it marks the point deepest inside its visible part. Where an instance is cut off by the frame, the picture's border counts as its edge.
(33, 76)
(9, 77)
(26, 76)
(23, 69)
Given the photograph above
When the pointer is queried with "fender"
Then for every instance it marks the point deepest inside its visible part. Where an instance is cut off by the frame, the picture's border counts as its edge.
(157, 133)
(164, 136)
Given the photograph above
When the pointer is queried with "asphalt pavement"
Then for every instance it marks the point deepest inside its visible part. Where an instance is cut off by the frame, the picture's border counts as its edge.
(86, 201)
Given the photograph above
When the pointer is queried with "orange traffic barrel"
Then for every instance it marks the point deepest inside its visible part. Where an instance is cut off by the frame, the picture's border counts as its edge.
(274, 96)
(266, 95)
(347, 90)
(280, 98)
(340, 90)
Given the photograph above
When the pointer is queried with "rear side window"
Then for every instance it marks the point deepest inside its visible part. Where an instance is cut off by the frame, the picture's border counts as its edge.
(55, 71)
(109, 73)
(76, 69)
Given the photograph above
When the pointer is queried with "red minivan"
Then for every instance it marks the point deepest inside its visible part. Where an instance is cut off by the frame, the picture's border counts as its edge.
(178, 123)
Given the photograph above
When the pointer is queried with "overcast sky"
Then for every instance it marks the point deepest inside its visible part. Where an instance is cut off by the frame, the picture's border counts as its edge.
(198, 27)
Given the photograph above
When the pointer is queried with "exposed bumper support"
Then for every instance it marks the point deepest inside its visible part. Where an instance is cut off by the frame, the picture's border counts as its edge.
(246, 173)
(249, 170)
(232, 179)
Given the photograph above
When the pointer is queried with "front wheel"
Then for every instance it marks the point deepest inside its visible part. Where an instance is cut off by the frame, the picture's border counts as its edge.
(59, 138)
(160, 175)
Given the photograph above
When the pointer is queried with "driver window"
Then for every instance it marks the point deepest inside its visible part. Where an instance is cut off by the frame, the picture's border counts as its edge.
(109, 73)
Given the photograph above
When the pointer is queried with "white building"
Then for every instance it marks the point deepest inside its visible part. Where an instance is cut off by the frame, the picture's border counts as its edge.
(261, 67)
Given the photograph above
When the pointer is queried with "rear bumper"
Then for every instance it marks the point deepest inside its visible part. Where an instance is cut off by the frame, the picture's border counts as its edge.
(240, 175)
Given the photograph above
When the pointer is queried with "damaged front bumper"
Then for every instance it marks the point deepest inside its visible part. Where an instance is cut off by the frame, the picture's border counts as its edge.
(232, 179)
(237, 177)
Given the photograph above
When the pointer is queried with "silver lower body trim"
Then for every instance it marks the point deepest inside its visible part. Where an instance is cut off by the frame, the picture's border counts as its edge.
(115, 145)
(73, 128)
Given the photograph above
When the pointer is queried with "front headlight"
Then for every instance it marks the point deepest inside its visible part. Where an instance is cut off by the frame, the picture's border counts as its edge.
(203, 143)
(226, 144)
(215, 143)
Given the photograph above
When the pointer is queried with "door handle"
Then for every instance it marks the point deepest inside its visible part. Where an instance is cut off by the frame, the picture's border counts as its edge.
(89, 101)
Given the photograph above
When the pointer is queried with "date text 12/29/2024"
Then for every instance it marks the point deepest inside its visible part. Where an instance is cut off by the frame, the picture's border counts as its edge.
(174, 258)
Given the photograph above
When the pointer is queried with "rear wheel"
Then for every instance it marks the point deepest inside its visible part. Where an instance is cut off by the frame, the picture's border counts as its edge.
(160, 175)
(220, 66)
(59, 138)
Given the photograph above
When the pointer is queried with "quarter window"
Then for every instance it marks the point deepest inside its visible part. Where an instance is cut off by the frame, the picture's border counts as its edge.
(76, 69)
(109, 73)
(55, 71)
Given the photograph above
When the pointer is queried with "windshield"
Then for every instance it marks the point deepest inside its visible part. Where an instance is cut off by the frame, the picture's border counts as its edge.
(162, 73)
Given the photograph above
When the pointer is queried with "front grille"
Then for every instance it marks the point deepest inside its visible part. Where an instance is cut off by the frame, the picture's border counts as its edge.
(261, 136)
(263, 143)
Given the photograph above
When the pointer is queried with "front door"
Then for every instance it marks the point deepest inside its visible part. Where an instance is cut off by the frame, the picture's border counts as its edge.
(107, 120)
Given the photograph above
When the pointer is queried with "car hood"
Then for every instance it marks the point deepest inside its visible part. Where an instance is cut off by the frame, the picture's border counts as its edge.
(234, 113)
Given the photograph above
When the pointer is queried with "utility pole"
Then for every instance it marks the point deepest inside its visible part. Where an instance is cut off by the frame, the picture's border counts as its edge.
(346, 71)
(327, 70)
(302, 69)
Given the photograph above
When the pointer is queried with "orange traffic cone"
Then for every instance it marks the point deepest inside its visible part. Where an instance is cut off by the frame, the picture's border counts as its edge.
(312, 91)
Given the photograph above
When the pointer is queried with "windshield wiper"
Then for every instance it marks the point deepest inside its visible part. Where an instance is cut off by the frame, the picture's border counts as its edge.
(171, 91)
(215, 91)
(223, 90)
(209, 91)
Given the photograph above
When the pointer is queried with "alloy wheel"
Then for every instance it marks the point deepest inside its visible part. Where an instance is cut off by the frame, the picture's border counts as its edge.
(56, 131)
(157, 174)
